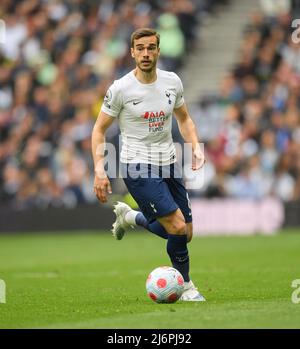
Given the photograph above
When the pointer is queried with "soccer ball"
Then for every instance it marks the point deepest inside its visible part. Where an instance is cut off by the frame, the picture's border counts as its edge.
(165, 285)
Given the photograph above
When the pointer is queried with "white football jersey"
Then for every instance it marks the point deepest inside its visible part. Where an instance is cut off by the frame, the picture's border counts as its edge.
(145, 116)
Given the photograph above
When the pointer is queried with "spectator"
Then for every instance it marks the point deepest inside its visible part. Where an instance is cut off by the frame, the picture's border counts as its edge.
(57, 62)
(254, 147)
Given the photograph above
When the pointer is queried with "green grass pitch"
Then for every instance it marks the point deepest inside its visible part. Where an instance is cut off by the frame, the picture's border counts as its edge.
(90, 280)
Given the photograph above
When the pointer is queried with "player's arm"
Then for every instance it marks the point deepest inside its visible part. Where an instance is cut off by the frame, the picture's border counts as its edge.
(188, 131)
(101, 182)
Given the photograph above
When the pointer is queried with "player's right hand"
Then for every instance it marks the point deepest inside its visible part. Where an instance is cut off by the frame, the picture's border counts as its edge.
(101, 188)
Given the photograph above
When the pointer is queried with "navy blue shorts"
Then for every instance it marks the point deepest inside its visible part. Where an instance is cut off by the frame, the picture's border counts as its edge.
(157, 190)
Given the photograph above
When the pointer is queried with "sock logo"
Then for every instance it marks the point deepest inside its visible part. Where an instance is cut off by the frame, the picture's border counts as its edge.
(182, 259)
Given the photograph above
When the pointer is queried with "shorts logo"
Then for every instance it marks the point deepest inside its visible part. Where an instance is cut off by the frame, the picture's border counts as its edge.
(153, 208)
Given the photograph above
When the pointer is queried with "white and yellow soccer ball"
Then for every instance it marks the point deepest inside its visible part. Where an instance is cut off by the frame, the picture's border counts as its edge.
(165, 285)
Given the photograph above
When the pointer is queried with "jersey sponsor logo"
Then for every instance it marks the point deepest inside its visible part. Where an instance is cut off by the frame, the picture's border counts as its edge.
(136, 102)
(153, 114)
(156, 120)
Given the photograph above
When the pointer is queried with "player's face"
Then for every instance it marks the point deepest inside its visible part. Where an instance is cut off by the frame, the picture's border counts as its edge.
(146, 53)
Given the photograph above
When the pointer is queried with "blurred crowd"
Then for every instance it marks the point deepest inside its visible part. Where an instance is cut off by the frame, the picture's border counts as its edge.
(56, 63)
(251, 129)
(59, 57)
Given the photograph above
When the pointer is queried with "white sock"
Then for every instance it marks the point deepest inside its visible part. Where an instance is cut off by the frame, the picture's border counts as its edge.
(130, 217)
(188, 284)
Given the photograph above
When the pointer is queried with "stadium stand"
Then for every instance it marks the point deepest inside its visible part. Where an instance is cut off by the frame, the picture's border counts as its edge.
(251, 127)
(60, 57)
(55, 66)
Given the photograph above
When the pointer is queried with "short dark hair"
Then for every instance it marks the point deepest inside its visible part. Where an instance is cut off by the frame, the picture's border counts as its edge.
(139, 33)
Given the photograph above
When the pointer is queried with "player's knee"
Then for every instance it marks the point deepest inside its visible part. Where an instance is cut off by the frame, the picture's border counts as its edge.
(174, 224)
(179, 228)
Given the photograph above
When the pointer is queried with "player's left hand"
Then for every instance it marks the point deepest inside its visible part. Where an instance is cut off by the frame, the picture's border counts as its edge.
(198, 159)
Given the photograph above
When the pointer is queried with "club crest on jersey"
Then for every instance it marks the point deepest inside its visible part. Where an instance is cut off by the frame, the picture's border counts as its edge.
(153, 114)
(168, 95)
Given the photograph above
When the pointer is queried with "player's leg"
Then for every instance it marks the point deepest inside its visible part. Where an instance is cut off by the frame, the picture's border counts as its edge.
(154, 199)
(127, 218)
(178, 252)
(137, 218)
(180, 195)
(154, 227)
(156, 202)
(174, 224)
(147, 187)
